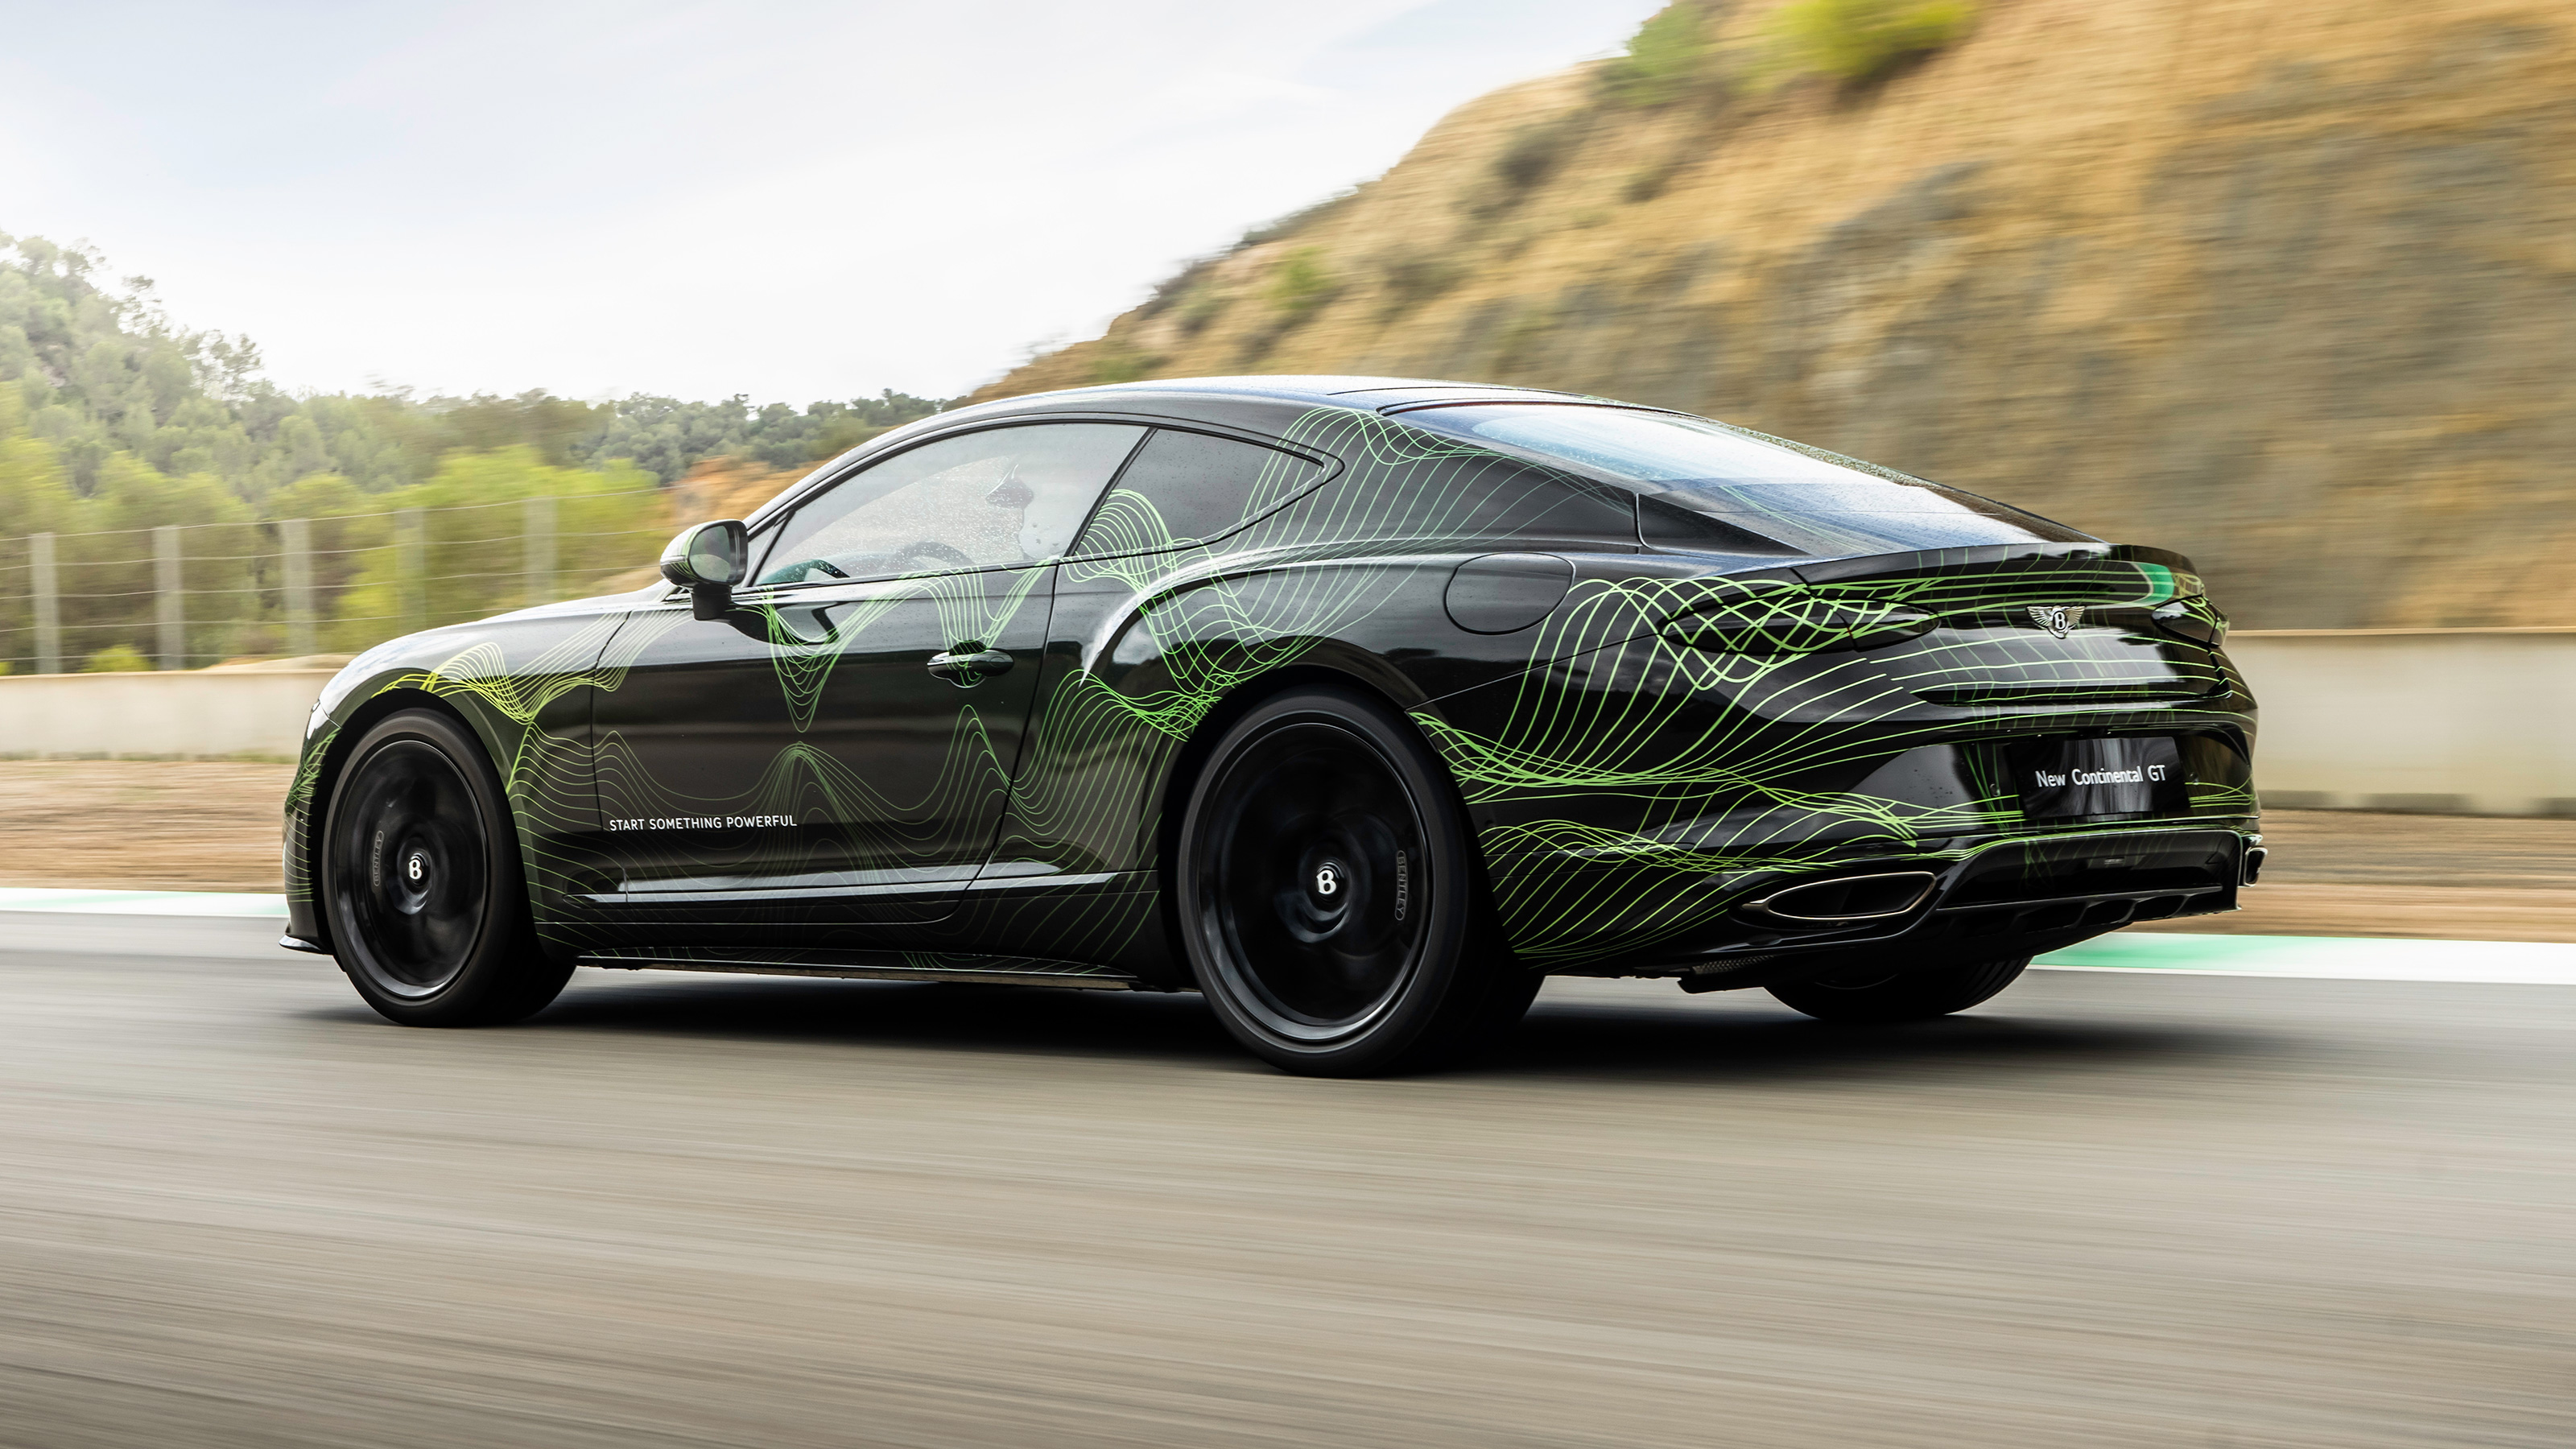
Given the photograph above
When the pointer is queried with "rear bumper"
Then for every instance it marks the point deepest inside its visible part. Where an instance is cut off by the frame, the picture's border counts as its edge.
(2009, 899)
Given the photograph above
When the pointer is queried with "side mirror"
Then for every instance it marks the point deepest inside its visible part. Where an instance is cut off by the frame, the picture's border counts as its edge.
(708, 561)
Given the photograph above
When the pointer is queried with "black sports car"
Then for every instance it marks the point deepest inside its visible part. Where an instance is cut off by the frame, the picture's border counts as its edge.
(1357, 704)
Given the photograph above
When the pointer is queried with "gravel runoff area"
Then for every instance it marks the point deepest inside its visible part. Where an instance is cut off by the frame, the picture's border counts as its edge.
(213, 826)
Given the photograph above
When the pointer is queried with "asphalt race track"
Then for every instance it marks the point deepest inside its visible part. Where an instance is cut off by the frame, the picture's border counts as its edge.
(2105, 1209)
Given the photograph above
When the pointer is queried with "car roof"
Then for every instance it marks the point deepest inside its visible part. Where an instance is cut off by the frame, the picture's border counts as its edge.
(1356, 392)
(1259, 402)
(1350, 391)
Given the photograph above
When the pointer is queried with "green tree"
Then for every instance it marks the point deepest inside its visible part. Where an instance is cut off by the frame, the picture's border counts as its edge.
(35, 497)
(110, 577)
(102, 370)
(343, 524)
(473, 517)
(114, 421)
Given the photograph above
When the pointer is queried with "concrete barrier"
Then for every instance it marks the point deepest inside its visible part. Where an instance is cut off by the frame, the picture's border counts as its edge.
(2449, 721)
(179, 714)
(2444, 721)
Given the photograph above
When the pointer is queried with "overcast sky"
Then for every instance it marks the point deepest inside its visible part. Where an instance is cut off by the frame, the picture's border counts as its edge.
(789, 200)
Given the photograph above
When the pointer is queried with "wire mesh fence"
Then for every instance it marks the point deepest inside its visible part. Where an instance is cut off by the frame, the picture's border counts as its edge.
(183, 596)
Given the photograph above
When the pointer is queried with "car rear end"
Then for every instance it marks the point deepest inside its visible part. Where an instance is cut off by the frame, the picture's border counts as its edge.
(1762, 751)
(2052, 736)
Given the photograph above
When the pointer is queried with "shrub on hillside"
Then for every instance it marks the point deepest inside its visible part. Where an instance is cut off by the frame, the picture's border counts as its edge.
(1302, 283)
(1531, 155)
(1650, 182)
(1116, 361)
(1855, 41)
(1173, 288)
(1663, 58)
(1413, 278)
(1201, 310)
(1534, 152)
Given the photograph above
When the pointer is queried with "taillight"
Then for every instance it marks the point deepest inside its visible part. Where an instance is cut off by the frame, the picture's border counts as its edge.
(2195, 619)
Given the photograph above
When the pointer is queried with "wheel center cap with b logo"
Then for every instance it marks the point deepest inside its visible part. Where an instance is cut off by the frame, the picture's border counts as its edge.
(1319, 898)
(412, 880)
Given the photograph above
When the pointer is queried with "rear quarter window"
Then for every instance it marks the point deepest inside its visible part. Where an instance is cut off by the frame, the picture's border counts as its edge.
(1185, 488)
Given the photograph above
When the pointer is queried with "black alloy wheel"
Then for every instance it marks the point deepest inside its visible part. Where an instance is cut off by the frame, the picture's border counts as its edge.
(1880, 995)
(420, 881)
(1328, 895)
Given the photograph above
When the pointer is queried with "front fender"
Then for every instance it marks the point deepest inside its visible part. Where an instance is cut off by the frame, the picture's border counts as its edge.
(521, 683)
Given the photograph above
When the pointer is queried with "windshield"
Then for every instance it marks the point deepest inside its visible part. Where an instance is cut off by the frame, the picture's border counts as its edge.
(1705, 485)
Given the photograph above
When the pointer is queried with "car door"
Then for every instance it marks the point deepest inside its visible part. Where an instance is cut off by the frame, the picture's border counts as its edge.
(1184, 500)
(838, 749)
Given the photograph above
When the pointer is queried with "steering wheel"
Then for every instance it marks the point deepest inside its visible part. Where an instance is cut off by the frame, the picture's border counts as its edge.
(795, 572)
(933, 549)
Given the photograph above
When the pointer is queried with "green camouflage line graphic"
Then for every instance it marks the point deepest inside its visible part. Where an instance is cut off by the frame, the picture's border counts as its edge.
(1715, 808)
(805, 782)
(509, 698)
(1726, 722)
(804, 656)
(1560, 738)
(879, 827)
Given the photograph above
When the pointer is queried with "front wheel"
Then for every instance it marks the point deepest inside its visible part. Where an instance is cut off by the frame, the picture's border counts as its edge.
(420, 881)
(1329, 899)
(1884, 996)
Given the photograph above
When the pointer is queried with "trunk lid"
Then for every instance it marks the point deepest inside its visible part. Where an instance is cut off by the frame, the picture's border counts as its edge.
(2015, 628)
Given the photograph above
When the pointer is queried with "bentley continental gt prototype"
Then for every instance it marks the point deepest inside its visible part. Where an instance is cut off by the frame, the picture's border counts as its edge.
(1359, 705)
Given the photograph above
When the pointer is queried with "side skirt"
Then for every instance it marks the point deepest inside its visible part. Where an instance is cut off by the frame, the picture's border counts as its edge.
(876, 966)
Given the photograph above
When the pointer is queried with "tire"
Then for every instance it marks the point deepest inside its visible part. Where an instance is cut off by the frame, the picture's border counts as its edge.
(419, 872)
(1330, 903)
(1870, 996)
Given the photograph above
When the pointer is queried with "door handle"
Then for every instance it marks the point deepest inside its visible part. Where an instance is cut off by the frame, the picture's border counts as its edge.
(963, 667)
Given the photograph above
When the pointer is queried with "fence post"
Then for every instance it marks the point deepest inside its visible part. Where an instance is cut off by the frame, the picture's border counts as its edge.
(295, 536)
(411, 567)
(169, 602)
(49, 604)
(539, 584)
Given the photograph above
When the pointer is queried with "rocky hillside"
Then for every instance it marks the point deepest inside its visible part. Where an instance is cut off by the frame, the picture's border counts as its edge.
(2287, 284)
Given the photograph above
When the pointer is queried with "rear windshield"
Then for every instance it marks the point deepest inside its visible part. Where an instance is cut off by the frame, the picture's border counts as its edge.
(1696, 477)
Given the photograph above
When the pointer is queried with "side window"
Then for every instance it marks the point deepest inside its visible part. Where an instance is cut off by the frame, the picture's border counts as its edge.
(1475, 494)
(1003, 497)
(1189, 487)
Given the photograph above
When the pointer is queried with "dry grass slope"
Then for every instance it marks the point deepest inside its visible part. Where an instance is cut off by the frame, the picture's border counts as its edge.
(2291, 287)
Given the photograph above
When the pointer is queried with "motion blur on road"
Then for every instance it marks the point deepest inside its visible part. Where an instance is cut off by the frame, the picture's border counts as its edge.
(2104, 1209)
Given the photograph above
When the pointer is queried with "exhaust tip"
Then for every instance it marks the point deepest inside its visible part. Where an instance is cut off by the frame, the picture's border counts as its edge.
(2253, 865)
(1848, 900)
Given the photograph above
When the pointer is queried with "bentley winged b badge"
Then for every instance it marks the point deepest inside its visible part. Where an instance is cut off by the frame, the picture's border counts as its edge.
(2058, 619)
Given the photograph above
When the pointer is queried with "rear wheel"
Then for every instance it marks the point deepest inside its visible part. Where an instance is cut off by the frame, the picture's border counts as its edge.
(1882, 996)
(1329, 898)
(420, 881)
